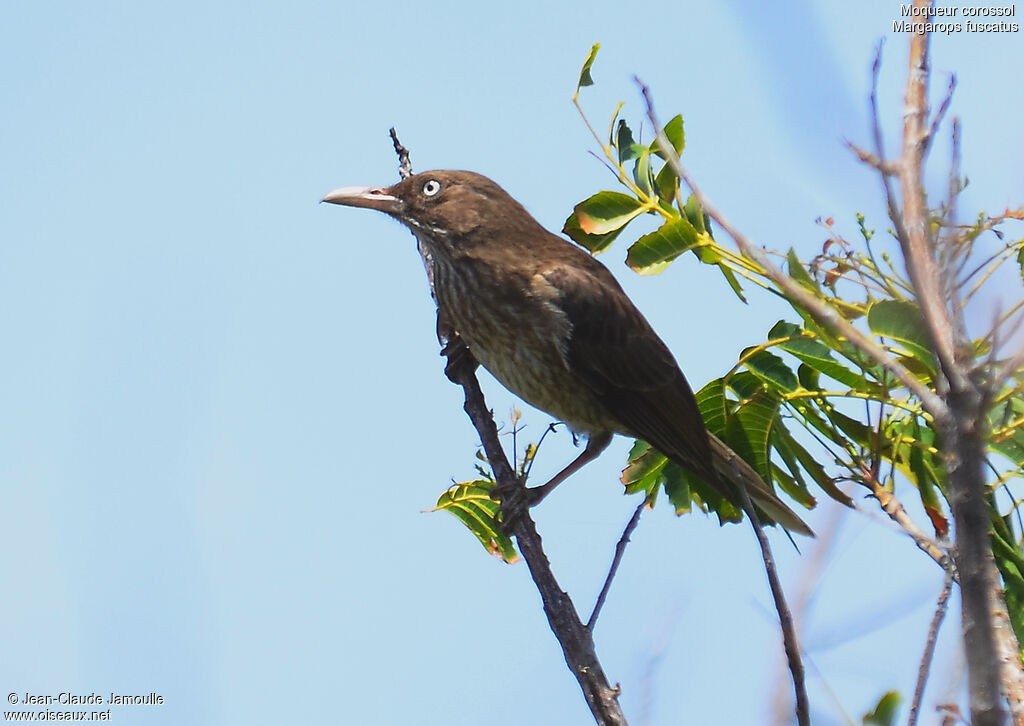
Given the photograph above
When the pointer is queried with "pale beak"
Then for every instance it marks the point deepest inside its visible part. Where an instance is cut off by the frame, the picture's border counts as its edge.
(369, 197)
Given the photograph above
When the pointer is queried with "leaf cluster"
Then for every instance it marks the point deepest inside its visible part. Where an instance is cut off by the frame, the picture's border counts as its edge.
(804, 407)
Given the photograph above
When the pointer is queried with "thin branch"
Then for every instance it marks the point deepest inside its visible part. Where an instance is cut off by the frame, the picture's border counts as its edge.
(817, 560)
(894, 508)
(574, 637)
(988, 266)
(918, 243)
(929, 648)
(950, 247)
(876, 128)
(1007, 371)
(404, 165)
(789, 640)
(818, 309)
(873, 160)
(943, 107)
(620, 550)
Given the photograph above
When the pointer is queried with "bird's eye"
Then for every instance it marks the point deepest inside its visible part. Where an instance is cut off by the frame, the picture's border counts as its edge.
(432, 187)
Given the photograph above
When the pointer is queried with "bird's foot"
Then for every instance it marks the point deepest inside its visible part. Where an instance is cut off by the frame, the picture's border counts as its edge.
(460, 361)
(516, 501)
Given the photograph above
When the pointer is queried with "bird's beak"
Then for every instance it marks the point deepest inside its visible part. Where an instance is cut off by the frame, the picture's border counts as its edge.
(369, 197)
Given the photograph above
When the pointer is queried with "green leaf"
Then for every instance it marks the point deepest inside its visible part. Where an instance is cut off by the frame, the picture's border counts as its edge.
(807, 349)
(1020, 261)
(711, 402)
(698, 218)
(606, 212)
(885, 711)
(929, 473)
(1010, 564)
(745, 384)
(623, 141)
(799, 273)
(901, 322)
(593, 242)
(678, 487)
(471, 503)
(585, 78)
(784, 441)
(674, 131)
(648, 469)
(643, 468)
(1008, 441)
(794, 486)
(749, 429)
(771, 369)
(653, 251)
(666, 184)
(734, 283)
(809, 377)
(642, 171)
(856, 430)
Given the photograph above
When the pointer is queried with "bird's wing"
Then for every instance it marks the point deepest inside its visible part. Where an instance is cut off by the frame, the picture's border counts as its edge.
(616, 352)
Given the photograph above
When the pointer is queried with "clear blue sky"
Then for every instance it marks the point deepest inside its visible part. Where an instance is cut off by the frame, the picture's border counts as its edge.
(223, 409)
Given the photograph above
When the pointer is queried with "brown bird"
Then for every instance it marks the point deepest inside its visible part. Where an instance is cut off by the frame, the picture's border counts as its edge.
(553, 325)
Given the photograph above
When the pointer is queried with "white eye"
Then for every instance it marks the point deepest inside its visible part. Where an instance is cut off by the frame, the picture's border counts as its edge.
(432, 187)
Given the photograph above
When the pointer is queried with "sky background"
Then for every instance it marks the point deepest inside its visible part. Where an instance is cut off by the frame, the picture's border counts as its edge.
(223, 408)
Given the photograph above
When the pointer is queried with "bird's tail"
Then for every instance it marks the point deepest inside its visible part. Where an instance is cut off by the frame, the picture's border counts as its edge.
(731, 468)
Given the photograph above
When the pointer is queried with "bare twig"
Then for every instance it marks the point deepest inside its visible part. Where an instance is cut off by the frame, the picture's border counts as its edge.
(789, 640)
(404, 165)
(811, 576)
(929, 648)
(873, 160)
(894, 508)
(876, 128)
(620, 550)
(943, 107)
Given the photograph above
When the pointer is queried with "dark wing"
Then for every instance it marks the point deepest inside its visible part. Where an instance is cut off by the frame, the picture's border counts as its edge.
(616, 352)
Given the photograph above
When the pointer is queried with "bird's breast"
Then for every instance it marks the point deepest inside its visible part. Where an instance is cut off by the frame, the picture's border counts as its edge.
(520, 337)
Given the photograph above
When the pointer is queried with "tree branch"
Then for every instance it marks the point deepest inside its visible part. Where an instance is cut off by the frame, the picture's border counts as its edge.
(894, 508)
(620, 550)
(574, 637)
(929, 648)
(917, 242)
(962, 431)
(1011, 667)
(789, 640)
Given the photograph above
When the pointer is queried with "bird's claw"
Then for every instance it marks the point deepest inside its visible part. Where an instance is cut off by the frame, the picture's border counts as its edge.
(516, 501)
(460, 360)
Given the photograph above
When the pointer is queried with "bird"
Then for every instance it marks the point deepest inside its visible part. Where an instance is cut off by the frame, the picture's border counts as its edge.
(552, 324)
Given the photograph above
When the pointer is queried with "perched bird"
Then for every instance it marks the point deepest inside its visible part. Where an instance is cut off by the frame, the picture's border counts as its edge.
(553, 325)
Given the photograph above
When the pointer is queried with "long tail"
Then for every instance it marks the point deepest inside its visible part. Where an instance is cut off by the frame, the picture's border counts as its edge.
(731, 468)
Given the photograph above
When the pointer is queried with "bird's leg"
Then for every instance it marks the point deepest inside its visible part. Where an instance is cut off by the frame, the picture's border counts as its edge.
(515, 500)
(595, 445)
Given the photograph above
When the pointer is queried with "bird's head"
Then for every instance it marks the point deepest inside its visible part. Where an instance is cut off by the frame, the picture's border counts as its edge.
(440, 203)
